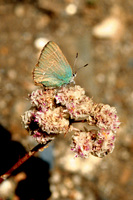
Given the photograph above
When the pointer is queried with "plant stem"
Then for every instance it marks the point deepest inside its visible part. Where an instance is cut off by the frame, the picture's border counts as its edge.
(22, 160)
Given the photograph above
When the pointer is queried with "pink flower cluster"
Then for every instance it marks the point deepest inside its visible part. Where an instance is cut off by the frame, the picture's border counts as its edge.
(76, 102)
(44, 120)
(54, 111)
(98, 143)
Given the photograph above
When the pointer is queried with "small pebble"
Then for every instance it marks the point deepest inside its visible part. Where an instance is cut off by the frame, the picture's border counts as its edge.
(7, 185)
(110, 28)
(12, 74)
(100, 78)
(40, 42)
(71, 9)
(19, 11)
(56, 177)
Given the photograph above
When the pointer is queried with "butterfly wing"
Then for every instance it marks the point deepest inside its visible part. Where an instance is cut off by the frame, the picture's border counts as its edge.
(52, 69)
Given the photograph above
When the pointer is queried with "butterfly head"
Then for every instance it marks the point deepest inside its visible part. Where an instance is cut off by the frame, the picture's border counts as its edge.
(72, 78)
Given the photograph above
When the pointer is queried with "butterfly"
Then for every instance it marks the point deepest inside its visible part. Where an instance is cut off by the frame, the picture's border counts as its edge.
(52, 69)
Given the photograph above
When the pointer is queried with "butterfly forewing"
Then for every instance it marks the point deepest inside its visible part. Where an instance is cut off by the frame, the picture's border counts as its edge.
(52, 68)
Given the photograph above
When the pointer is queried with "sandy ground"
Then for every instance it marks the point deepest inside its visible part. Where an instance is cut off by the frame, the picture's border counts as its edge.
(108, 79)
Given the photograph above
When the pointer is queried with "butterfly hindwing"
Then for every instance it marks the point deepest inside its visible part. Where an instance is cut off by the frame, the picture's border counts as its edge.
(52, 69)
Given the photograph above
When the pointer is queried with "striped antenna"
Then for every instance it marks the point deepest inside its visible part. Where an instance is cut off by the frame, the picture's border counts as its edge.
(75, 64)
(75, 71)
(81, 67)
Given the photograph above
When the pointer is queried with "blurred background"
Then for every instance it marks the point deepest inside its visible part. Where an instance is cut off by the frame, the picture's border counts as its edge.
(102, 33)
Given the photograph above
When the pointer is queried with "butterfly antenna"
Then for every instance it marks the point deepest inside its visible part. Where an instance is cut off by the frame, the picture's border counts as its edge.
(75, 63)
(81, 68)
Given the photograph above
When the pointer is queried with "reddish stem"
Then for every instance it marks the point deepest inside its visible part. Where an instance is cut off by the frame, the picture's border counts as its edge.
(22, 160)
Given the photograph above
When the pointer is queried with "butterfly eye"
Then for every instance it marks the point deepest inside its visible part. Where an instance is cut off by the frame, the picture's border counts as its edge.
(74, 75)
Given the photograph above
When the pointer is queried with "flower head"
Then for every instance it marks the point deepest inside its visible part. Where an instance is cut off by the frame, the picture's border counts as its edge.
(54, 111)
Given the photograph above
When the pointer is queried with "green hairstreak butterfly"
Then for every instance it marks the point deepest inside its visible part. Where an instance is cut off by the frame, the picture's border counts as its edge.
(52, 69)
